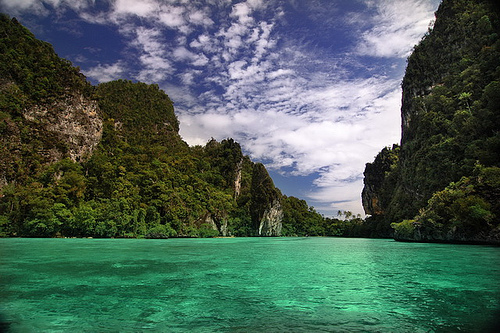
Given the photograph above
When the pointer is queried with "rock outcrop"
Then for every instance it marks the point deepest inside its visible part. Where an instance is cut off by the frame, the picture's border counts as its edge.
(419, 233)
(270, 223)
(450, 120)
(74, 120)
(216, 223)
(377, 185)
(266, 210)
(237, 178)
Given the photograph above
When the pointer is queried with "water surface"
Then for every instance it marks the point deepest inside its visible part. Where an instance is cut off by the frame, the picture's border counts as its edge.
(247, 285)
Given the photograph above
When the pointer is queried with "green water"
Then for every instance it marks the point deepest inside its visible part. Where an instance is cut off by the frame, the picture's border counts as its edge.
(247, 285)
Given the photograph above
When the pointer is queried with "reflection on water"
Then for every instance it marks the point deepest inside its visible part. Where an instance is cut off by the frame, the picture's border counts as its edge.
(247, 285)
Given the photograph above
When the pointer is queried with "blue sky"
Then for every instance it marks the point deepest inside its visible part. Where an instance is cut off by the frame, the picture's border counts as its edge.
(311, 88)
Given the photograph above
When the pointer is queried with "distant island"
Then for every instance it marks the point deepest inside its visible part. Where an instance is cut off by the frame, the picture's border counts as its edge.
(78, 160)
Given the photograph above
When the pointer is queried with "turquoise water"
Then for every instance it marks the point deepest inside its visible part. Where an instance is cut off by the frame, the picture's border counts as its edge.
(247, 285)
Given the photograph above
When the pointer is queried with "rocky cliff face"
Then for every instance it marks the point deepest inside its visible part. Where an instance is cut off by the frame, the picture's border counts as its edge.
(450, 120)
(377, 182)
(444, 100)
(67, 128)
(74, 120)
(237, 178)
(270, 223)
(216, 223)
(370, 200)
(266, 210)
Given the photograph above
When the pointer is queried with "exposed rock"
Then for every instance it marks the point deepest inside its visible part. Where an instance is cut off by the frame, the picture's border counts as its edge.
(370, 200)
(218, 224)
(266, 210)
(69, 127)
(75, 121)
(222, 227)
(376, 181)
(237, 179)
(422, 234)
(271, 222)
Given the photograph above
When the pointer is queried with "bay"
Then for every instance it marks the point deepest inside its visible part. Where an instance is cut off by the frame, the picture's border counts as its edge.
(247, 285)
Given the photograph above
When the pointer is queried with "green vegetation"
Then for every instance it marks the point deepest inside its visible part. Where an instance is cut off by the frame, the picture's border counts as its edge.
(141, 180)
(31, 71)
(462, 211)
(141, 114)
(31, 75)
(451, 117)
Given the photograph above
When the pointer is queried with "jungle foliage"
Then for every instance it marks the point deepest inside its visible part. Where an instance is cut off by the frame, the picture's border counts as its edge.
(31, 74)
(451, 122)
(142, 180)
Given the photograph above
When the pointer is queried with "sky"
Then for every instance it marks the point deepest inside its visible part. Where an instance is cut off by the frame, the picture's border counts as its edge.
(310, 88)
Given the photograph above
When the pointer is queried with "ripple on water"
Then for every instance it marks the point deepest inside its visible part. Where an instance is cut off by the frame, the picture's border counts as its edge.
(242, 285)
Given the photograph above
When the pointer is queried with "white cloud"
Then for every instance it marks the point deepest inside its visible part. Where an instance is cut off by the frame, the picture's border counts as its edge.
(173, 17)
(104, 73)
(263, 42)
(188, 78)
(155, 65)
(18, 6)
(204, 42)
(141, 8)
(155, 62)
(38, 7)
(397, 27)
(242, 12)
(148, 40)
(200, 60)
(183, 54)
(200, 18)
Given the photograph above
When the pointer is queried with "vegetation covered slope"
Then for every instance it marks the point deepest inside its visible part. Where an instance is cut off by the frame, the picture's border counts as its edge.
(38, 93)
(108, 161)
(443, 180)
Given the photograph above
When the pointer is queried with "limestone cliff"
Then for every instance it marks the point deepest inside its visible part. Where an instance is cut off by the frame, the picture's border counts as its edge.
(74, 120)
(216, 223)
(237, 178)
(376, 191)
(450, 119)
(67, 128)
(266, 210)
(270, 223)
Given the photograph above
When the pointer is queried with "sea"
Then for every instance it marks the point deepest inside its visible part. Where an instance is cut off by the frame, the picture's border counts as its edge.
(310, 284)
